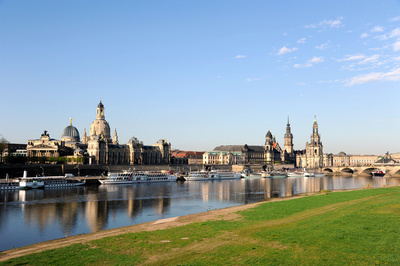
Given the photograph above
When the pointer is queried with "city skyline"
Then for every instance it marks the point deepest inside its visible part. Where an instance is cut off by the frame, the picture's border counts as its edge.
(203, 73)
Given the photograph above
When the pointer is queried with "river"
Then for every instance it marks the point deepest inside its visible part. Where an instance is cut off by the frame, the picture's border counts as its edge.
(33, 216)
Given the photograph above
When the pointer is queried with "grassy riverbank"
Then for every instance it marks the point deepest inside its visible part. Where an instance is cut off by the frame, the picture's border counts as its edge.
(356, 227)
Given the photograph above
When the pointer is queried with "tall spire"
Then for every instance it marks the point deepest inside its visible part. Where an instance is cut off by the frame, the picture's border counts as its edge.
(115, 138)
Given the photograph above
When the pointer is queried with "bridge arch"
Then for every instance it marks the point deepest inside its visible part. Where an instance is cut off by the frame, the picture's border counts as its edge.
(396, 172)
(327, 170)
(347, 170)
(368, 170)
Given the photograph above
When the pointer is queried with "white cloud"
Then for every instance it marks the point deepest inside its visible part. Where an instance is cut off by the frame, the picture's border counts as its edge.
(302, 40)
(322, 46)
(394, 19)
(310, 63)
(285, 50)
(334, 23)
(395, 33)
(353, 57)
(375, 77)
(377, 29)
(396, 45)
(252, 79)
(316, 60)
(371, 59)
(337, 23)
(364, 35)
(240, 56)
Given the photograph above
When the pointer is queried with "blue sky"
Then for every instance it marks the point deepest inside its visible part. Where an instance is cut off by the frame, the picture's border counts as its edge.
(204, 73)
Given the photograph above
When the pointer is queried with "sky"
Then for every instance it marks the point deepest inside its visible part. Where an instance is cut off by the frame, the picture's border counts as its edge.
(204, 73)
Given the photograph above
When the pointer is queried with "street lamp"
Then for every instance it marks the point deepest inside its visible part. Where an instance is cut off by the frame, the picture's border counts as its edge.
(42, 170)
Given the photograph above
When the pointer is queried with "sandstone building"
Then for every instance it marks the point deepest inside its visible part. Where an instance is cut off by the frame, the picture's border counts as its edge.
(99, 147)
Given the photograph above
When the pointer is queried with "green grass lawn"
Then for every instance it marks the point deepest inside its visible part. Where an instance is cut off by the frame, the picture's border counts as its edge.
(357, 227)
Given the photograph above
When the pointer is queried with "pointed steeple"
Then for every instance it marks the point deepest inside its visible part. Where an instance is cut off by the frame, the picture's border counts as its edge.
(84, 137)
(115, 138)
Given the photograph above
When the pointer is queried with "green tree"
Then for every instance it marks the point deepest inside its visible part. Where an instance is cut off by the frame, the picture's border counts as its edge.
(3, 145)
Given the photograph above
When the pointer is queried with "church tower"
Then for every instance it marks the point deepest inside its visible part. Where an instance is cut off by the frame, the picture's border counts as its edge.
(288, 146)
(84, 137)
(100, 111)
(115, 138)
(269, 148)
(314, 148)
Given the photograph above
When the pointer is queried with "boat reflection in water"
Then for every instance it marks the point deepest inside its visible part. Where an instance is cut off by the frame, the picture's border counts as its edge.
(32, 216)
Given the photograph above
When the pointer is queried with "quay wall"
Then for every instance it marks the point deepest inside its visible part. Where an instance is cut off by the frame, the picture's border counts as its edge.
(15, 171)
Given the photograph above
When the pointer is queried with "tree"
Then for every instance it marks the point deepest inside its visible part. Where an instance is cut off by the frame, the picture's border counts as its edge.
(3, 145)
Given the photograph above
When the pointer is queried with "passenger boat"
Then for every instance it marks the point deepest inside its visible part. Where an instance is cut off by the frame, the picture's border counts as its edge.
(130, 177)
(277, 174)
(212, 175)
(378, 173)
(295, 174)
(125, 177)
(60, 181)
(314, 174)
(9, 185)
(31, 183)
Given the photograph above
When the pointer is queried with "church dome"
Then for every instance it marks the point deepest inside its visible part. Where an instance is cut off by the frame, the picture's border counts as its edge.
(70, 133)
(100, 127)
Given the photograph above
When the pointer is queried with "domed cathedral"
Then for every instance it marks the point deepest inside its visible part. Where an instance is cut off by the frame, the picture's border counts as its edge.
(314, 156)
(100, 127)
(103, 149)
(100, 147)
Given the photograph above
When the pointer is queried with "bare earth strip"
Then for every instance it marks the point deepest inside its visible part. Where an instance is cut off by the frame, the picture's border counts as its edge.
(226, 214)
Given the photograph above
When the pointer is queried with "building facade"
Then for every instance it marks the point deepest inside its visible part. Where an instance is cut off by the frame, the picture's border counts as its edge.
(99, 147)
(314, 156)
(102, 149)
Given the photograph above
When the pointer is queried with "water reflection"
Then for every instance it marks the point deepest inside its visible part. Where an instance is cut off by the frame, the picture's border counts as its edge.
(32, 216)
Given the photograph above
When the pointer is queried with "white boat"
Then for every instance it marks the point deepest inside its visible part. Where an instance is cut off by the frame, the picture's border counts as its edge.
(125, 177)
(26, 182)
(156, 177)
(129, 177)
(31, 183)
(60, 181)
(295, 174)
(48, 181)
(212, 175)
(9, 185)
(314, 174)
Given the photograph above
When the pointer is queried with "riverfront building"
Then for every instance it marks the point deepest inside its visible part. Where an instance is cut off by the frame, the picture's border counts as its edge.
(99, 147)
(269, 153)
(342, 159)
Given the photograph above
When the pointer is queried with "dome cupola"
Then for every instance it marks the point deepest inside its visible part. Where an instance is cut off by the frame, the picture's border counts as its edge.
(70, 133)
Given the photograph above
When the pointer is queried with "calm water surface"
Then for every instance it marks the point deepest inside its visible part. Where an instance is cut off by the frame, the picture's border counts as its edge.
(33, 216)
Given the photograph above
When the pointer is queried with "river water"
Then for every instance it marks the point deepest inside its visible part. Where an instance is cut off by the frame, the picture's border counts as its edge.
(33, 216)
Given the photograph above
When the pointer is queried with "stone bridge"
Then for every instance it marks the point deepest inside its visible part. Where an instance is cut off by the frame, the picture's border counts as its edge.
(391, 170)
